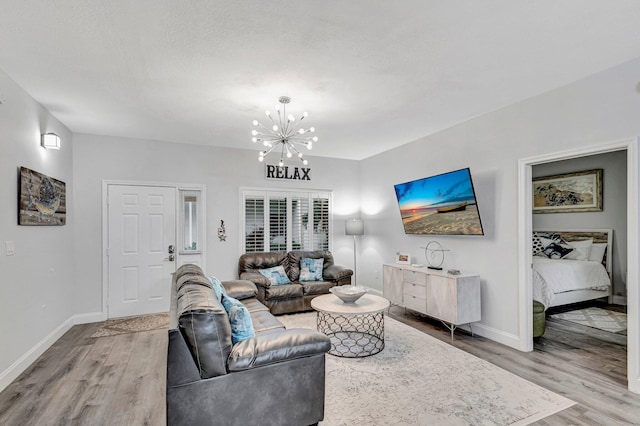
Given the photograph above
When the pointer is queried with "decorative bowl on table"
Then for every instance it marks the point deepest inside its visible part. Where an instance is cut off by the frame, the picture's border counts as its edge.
(348, 293)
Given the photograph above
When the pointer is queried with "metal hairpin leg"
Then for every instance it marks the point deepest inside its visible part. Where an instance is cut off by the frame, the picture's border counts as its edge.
(452, 328)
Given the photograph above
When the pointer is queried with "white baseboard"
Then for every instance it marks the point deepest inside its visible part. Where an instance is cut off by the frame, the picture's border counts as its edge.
(507, 339)
(12, 373)
(22, 363)
(89, 318)
(619, 300)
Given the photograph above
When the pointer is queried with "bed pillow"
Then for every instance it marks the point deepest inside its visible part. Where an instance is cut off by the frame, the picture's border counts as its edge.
(581, 250)
(311, 269)
(239, 319)
(545, 242)
(538, 246)
(276, 275)
(557, 251)
(597, 252)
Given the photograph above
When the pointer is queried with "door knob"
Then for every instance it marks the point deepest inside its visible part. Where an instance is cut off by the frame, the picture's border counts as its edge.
(171, 250)
(171, 258)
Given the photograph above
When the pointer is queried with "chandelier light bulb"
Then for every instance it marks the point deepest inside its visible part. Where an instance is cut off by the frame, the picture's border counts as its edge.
(315, 139)
(301, 131)
(291, 118)
(254, 132)
(312, 129)
(261, 158)
(275, 127)
(254, 140)
(305, 114)
(305, 162)
(268, 113)
(255, 122)
(309, 145)
(280, 164)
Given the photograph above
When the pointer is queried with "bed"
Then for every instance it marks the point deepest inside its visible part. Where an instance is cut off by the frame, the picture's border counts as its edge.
(571, 266)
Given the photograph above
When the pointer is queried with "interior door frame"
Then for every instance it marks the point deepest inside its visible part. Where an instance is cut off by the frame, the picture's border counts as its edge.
(525, 228)
(105, 225)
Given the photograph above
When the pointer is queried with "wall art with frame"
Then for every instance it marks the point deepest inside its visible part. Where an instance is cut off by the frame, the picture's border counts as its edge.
(42, 200)
(568, 193)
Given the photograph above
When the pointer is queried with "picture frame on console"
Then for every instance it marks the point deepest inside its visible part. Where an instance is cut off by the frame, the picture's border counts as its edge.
(403, 258)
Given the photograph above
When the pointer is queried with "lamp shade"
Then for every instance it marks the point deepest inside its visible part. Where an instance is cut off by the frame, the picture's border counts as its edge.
(354, 227)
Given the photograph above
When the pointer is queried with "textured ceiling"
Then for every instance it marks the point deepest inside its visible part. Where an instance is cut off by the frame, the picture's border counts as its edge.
(373, 75)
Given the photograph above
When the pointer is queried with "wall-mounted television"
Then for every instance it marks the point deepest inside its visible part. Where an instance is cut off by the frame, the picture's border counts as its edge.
(440, 205)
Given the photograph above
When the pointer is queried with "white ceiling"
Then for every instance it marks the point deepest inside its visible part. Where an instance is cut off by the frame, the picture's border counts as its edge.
(373, 75)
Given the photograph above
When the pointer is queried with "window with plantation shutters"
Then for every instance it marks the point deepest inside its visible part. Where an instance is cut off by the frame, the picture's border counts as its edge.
(320, 223)
(254, 223)
(286, 220)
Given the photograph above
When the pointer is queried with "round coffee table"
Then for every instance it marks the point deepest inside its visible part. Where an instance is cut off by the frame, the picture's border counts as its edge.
(355, 329)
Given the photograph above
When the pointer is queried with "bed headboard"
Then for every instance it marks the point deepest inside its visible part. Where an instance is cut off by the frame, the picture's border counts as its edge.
(598, 235)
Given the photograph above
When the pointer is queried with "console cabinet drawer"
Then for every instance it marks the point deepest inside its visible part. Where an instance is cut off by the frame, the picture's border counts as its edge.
(418, 304)
(416, 290)
(414, 277)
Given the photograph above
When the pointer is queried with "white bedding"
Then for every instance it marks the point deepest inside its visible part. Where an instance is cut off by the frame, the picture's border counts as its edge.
(551, 276)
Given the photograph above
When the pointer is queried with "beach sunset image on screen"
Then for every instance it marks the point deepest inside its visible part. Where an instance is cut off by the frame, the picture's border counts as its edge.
(440, 205)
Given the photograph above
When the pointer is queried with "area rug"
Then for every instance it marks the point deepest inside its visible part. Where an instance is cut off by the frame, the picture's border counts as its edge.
(602, 319)
(420, 380)
(133, 325)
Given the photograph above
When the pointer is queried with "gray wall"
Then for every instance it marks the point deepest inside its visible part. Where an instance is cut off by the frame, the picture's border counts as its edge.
(596, 110)
(614, 214)
(36, 294)
(224, 171)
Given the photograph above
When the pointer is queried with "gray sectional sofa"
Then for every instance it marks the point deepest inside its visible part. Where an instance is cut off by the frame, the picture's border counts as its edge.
(276, 377)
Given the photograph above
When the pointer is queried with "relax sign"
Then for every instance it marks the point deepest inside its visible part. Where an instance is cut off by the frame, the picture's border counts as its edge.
(287, 172)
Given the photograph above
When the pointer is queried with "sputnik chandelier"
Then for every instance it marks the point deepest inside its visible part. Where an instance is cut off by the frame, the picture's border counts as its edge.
(285, 134)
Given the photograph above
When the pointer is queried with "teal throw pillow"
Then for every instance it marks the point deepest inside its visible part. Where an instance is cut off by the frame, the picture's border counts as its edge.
(239, 319)
(276, 275)
(311, 269)
(218, 287)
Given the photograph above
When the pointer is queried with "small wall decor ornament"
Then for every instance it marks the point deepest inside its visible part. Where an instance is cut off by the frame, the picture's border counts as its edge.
(222, 232)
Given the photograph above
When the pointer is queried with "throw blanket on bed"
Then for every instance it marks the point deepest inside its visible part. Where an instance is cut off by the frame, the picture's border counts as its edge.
(552, 276)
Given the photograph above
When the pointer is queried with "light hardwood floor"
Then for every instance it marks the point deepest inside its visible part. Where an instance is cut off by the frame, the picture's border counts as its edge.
(120, 380)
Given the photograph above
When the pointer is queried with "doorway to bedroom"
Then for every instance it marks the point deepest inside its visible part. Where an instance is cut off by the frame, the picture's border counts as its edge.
(594, 248)
(564, 333)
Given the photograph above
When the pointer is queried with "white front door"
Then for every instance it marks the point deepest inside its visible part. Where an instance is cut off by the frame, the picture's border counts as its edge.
(142, 226)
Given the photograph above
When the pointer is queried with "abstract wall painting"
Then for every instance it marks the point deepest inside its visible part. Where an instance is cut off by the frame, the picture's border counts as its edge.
(568, 193)
(42, 200)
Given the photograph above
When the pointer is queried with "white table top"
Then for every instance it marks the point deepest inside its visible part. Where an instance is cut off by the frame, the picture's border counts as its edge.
(367, 304)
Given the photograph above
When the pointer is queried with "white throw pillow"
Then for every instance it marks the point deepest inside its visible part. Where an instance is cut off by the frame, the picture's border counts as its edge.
(597, 252)
(581, 250)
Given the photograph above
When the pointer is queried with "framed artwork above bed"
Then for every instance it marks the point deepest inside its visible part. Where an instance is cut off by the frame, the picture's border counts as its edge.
(568, 193)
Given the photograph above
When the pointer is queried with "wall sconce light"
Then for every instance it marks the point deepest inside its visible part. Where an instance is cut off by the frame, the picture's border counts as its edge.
(50, 141)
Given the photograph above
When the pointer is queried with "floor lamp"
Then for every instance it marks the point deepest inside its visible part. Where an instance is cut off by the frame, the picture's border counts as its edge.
(354, 227)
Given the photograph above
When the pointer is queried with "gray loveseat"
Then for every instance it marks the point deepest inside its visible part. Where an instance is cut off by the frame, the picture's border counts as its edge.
(297, 295)
(274, 378)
